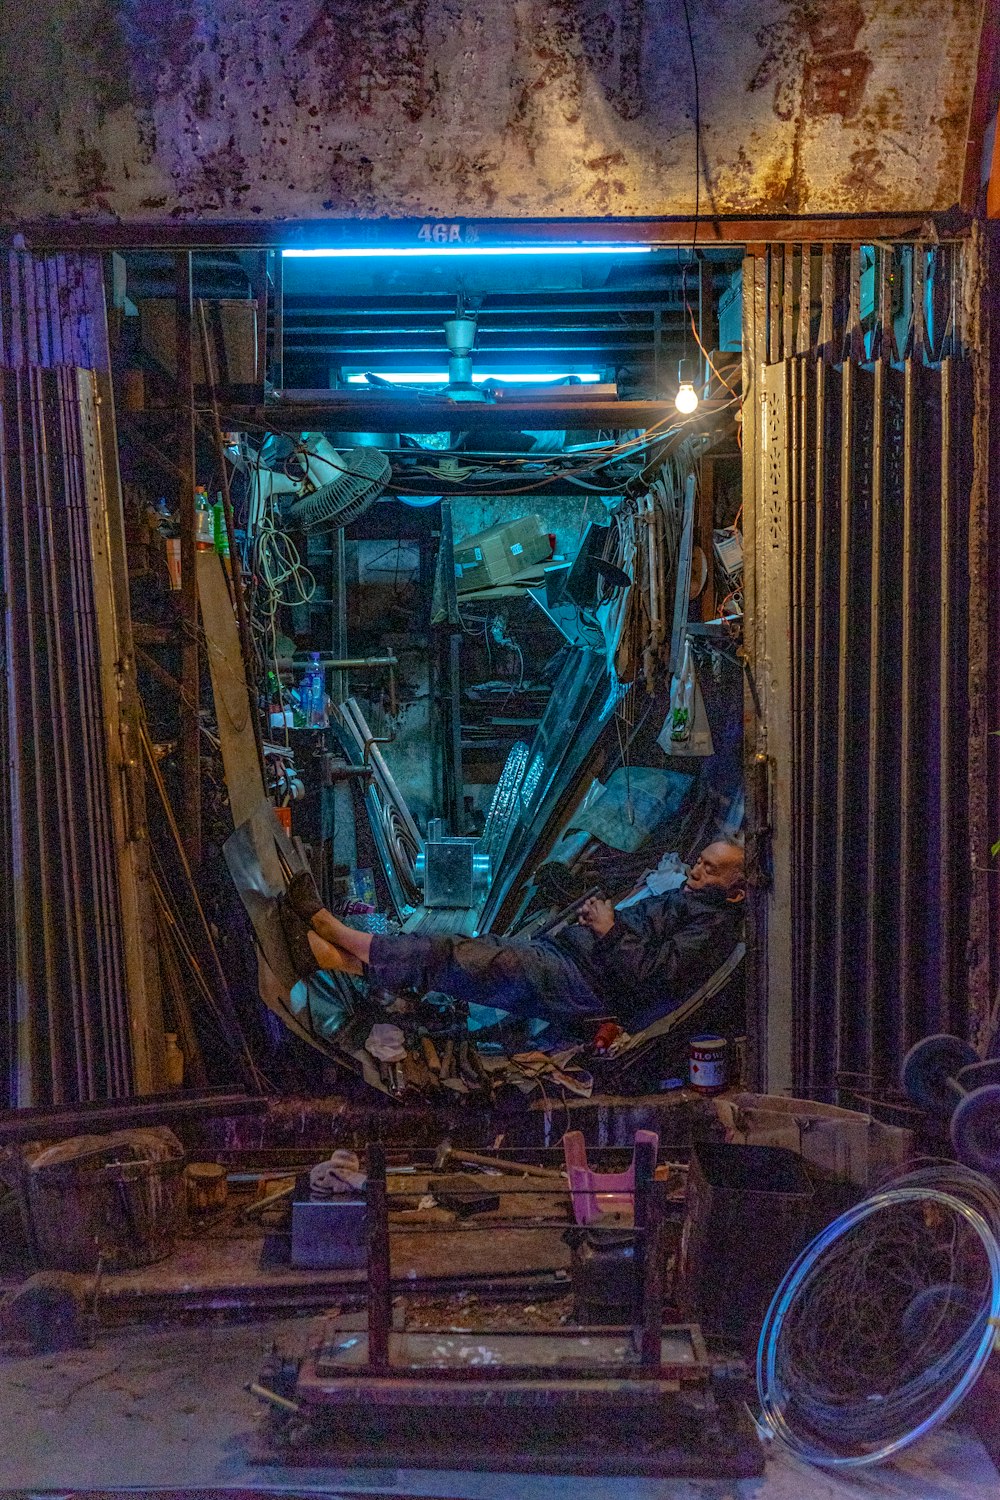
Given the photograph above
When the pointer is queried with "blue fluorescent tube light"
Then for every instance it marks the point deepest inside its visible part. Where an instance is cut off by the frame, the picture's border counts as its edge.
(440, 377)
(391, 252)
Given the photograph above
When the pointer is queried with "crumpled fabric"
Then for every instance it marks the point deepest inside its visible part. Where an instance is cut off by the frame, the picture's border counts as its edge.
(386, 1042)
(341, 1174)
(634, 801)
(669, 875)
(539, 1069)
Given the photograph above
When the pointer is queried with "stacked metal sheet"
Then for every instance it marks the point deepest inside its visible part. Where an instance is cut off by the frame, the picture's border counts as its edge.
(65, 1002)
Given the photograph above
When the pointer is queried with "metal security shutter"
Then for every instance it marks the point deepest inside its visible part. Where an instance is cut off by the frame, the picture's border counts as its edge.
(861, 459)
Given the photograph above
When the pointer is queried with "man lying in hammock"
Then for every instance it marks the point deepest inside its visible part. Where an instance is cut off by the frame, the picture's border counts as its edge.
(636, 965)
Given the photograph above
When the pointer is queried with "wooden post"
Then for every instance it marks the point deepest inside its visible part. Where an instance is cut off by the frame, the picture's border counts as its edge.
(706, 539)
(379, 1272)
(653, 1266)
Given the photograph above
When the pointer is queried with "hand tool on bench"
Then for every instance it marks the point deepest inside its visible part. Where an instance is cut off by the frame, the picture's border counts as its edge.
(446, 1152)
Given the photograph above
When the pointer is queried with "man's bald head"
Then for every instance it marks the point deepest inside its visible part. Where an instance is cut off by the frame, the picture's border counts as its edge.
(719, 866)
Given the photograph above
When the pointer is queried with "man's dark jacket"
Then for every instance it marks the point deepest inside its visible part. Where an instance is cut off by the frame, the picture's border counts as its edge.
(657, 953)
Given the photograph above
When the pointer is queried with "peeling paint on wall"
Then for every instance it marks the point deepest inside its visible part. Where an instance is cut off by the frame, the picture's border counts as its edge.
(226, 109)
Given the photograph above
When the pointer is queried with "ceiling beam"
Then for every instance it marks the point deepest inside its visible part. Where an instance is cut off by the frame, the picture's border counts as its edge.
(84, 234)
(366, 411)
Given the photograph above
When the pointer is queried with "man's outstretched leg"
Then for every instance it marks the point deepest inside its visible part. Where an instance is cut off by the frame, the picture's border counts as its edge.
(326, 930)
(328, 956)
(524, 978)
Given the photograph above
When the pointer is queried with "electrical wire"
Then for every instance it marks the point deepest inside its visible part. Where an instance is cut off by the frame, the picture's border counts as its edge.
(708, 358)
(673, 434)
(697, 200)
(666, 429)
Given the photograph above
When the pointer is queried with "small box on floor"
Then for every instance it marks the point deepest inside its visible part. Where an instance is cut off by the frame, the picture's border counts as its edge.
(330, 1234)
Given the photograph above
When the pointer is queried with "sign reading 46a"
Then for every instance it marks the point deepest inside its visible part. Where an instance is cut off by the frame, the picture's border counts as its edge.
(447, 234)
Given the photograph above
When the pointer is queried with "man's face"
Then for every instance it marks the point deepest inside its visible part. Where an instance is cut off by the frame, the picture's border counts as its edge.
(718, 866)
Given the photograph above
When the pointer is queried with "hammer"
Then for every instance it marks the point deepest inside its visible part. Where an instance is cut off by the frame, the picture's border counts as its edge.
(473, 1159)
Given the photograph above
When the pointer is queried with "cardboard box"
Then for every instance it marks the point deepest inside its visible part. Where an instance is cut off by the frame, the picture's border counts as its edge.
(232, 334)
(493, 557)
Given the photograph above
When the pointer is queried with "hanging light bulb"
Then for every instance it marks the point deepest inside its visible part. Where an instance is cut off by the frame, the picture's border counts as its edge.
(686, 400)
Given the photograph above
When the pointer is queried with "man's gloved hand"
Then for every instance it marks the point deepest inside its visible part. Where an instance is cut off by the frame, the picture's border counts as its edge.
(598, 915)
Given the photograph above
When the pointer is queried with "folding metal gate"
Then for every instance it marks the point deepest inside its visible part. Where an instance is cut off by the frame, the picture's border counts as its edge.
(859, 453)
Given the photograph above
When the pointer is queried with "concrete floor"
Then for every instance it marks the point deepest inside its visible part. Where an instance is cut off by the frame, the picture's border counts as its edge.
(166, 1410)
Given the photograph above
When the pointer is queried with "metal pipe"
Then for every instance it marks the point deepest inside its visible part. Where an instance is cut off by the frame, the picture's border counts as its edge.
(289, 664)
(281, 1402)
(56, 1123)
(842, 875)
(62, 1013)
(875, 883)
(804, 331)
(908, 811)
(948, 697)
(279, 322)
(85, 829)
(340, 685)
(798, 546)
(650, 1199)
(190, 733)
(164, 678)
(775, 268)
(788, 302)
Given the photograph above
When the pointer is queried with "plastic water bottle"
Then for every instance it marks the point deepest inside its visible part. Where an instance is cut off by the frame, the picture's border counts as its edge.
(316, 699)
(204, 539)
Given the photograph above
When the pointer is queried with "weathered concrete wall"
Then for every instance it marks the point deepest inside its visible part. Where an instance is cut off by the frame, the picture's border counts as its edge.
(244, 109)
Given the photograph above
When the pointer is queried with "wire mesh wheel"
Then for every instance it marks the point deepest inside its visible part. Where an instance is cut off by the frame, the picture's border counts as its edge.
(884, 1322)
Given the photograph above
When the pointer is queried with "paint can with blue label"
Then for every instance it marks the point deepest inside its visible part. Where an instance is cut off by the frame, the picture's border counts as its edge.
(707, 1064)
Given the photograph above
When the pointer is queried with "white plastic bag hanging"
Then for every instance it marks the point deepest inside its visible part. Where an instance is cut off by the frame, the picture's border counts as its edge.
(681, 717)
(686, 730)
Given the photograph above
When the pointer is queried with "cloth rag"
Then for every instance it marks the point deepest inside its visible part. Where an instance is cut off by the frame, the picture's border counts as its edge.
(341, 1174)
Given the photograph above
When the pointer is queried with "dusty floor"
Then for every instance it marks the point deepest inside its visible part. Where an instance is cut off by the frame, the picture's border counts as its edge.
(166, 1409)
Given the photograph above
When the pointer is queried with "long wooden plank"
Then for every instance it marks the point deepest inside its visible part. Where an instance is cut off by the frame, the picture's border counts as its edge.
(233, 709)
(128, 807)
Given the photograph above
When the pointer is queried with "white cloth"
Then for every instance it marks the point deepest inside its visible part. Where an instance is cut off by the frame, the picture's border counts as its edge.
(341, 1174)
(669, 875)
(386, 1042)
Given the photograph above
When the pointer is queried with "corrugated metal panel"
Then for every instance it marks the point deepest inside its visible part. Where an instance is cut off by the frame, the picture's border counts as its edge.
(866, 477)
(225, 109)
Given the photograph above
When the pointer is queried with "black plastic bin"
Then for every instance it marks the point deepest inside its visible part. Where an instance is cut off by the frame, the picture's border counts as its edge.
(748, 1214)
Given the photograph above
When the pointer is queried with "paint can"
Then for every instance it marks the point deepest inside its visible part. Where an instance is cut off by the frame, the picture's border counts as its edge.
(707, 1064)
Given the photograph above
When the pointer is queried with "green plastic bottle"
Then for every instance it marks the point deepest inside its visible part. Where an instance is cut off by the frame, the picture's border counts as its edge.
(219, 530)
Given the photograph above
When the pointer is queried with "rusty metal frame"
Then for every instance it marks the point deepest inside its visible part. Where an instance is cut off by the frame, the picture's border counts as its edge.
(104, 235)
(983, 300)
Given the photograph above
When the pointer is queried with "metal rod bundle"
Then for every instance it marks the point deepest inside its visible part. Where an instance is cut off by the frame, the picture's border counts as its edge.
(397, 836)
(80, 1015)
(69, 989)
